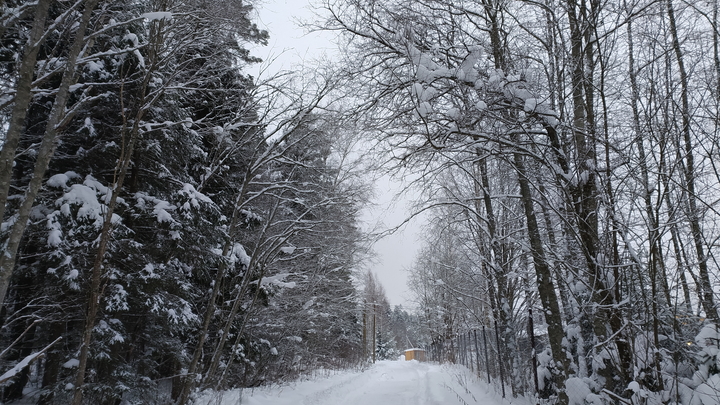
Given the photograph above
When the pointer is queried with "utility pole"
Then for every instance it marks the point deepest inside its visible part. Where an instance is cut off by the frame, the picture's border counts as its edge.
(374, 339)
(364, 334)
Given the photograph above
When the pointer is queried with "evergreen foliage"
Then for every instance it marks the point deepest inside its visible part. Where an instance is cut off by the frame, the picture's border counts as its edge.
(215, 216)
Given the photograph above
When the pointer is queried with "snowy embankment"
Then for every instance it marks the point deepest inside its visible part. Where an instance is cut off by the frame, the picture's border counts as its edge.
(384, 383)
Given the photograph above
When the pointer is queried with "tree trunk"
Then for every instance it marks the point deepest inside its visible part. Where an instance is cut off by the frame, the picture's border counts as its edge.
(546, 288)
(95, 289)
(230, 320)
(680, 258)
(707, 299)
(585, 193)
(716, 53)
(132, 135)
(16, 123)
(52, 365)
(190, 378)
(46, 151)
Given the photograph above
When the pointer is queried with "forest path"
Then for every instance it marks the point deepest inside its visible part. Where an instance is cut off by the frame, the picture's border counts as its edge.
(384, 383)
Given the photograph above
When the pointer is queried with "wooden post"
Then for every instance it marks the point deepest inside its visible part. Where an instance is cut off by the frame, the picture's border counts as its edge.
(500, 362)
(374, 335)
(364, 335)
(468, 347)
(477, 354)
(531, 333)
(464, 348)
(461, 347)
(487, 358)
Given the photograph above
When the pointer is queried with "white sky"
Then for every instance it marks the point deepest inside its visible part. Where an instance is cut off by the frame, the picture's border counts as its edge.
(396, 252)
(289, 46)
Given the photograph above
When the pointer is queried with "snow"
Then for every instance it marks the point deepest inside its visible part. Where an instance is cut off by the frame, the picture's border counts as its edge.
(424, 109)
(288, 250)
(530, 105)
(634, 386)
(495, 81)
(427, 70)
(18, 367)
(148, 272)
(132, 38)
(194, 196)
(384, 383)
(157, 15)
(161, 208)
(309, 303)
(116, 299)
(161, 211)
(424, 74)
(428, 94)
(455, 114)
(708, 336)
(516, 91)
(238, 255)
(72, 363)
(708, 393)
(104, 328)
(95, 67)
(55, 236)
(417, 89)
(277, 280)
(60, 180)
(579, 393)
(422, 93)
(466, 71)
(84, 195)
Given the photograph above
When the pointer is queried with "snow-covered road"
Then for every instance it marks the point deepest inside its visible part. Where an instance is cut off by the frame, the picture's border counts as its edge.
(385, 383)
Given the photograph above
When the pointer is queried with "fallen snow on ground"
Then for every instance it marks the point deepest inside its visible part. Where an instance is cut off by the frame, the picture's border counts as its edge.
(384, 383)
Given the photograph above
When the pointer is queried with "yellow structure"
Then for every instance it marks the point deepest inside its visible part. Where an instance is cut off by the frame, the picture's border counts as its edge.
(415, 354)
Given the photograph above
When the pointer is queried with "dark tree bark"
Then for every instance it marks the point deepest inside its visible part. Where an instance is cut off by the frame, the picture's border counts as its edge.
(23, 96)
(546, 287)
(707, 298)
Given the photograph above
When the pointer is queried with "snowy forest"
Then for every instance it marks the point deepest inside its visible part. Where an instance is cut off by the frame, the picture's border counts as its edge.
(172, 224)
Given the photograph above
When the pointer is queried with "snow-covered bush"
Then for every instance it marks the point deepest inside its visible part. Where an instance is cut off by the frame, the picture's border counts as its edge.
(707, 376)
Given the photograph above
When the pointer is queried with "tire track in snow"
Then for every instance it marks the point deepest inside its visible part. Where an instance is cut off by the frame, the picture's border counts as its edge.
(330, 395)
(393, 383)
(385, 383)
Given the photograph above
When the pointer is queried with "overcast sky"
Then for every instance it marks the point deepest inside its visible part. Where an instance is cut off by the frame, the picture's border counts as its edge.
(291, 46)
